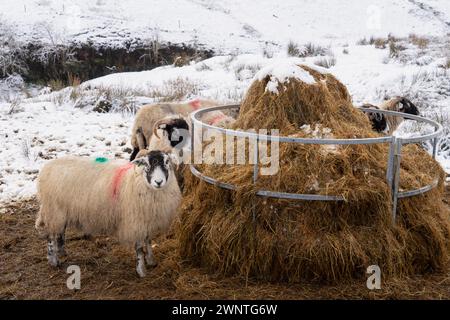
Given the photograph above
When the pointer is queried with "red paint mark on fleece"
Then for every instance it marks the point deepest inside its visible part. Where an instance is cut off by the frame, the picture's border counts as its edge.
(118, 177)
(195, 104)
(216, 119)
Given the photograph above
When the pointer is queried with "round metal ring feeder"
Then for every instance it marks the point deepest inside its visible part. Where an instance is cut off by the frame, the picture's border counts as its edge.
(393, 164)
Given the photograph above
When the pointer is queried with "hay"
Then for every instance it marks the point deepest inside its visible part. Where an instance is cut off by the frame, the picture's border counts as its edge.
(327, 241)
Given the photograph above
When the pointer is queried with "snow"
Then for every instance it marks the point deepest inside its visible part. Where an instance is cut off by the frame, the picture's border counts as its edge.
(223, 25)
(43, 131)
(37, 125)
(281, 72)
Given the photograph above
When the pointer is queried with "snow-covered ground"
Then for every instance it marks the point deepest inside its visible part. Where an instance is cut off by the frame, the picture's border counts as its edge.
(37, 125)
(227, 26)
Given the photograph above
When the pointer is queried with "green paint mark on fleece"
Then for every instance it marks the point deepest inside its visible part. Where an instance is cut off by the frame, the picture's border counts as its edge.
(101, 160)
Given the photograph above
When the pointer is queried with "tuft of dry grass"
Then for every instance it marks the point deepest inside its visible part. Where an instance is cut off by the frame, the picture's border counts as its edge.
(308, 50)
(326, 62)
(174, 90)
(181, 61)
(56, 84)
(420, 42)
(73, 80)
(14, 105)
(380, 43)
(395, 48)
(125, 99)
(252, 69)
(362, 42)
(312, 50)
(293, 49)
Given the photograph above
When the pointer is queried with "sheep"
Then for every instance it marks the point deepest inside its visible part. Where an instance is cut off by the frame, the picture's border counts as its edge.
(387, 123)
(378, 120)
(134, 201)
(170, 134)
(148, 115)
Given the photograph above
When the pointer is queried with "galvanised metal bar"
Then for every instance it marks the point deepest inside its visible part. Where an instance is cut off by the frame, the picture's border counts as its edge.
(266, 193)
(435, 141)
(405, 194)
(210, 180)
(396, 176)
(255, 159)
(192, 142)
(390, 164)
(195, 116)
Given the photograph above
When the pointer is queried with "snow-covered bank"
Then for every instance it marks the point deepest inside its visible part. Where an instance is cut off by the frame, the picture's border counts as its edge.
(226, 26)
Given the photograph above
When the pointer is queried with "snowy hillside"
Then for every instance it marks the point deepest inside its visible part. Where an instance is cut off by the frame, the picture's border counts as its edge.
(350, 38)
(227, 26)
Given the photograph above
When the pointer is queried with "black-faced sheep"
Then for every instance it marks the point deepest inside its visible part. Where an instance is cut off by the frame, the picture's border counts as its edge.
(149, 115)
(378, 120)
(171, 135)
(133, 201)
(387, 123)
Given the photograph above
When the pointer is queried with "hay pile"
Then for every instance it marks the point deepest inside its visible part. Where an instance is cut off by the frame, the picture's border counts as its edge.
(328, 241)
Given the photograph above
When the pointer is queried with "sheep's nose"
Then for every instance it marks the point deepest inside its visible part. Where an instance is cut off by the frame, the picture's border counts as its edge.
(158, 182)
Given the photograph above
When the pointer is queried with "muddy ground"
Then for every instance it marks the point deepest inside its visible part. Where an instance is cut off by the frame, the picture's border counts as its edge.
(107, 272)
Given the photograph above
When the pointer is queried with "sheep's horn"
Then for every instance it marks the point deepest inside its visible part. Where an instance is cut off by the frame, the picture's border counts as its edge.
(157, 124)
(155, 130)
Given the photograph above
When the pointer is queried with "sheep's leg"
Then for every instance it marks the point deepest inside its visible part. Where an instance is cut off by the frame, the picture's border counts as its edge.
(52, 251)
(149, 257)
(60, 241)
(140, 264)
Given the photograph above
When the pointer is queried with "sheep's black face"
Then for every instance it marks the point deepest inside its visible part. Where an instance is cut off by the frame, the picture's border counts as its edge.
(157, 168)
(378, 120)
(406, 106)
(177, 132)
(379, 123)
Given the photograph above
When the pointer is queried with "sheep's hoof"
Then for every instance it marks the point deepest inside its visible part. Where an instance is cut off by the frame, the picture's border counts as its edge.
(53, 261)
(140, 269)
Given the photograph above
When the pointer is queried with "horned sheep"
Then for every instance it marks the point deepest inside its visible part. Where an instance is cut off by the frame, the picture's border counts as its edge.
(388, 123)
(171, 135)
(149, 115)
(134, 201)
